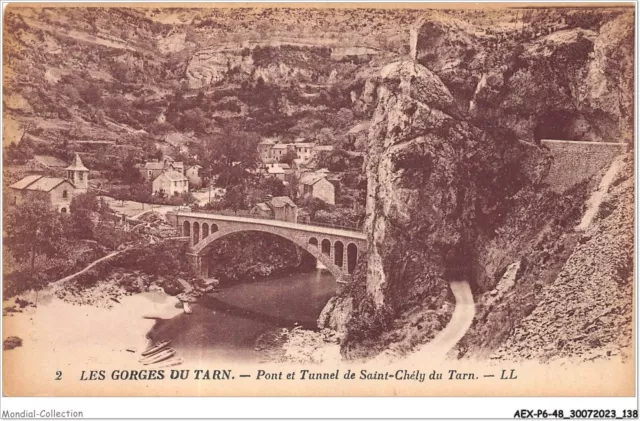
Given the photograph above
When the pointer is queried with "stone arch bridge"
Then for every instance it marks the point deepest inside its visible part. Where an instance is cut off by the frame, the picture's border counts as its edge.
(337, 249)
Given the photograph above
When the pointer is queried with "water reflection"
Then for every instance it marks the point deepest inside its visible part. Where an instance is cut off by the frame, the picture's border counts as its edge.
(226, 324)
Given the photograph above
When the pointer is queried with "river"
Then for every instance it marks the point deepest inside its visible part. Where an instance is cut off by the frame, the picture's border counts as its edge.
(226, 324)
(70, 337)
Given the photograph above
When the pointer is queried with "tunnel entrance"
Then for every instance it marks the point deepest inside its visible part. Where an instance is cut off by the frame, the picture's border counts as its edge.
(560, 125)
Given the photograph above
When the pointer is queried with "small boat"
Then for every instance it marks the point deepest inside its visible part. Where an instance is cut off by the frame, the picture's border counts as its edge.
(171, 362)
(186, 307)
(161, 356)
(155, 348)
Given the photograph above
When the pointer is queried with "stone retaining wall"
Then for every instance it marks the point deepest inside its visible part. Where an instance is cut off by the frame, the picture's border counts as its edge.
(574, 162)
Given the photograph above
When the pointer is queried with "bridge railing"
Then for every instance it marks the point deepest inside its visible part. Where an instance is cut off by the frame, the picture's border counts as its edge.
(224, 212)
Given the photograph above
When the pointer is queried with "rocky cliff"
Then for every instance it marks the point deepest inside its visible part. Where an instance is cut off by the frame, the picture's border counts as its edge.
(456, 182)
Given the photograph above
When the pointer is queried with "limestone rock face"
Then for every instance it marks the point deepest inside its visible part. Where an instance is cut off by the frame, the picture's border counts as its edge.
(434, 180)
(563, 82)
(436, 184)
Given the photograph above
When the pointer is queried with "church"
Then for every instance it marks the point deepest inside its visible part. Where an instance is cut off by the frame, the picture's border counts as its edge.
(57, 191)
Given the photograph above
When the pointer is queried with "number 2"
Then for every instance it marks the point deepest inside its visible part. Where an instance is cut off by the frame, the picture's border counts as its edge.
(58, 375)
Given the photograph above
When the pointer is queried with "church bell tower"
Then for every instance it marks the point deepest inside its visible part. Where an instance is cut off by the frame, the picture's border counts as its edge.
(78, 174)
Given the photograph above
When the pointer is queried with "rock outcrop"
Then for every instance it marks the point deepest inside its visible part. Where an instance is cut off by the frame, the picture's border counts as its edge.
(436, 184)
(455, 177)
(552, 80)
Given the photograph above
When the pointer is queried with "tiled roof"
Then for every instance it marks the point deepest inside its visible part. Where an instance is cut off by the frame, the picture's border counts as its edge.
(49, 161)
(40, 183)
(305, 145)
(263, 206)
(174, 176)
(76, 164)
(281, 201)
(276, 170)
(47, 183)
(154, 165)
(25, 182)
(280, 146)
(311, 178)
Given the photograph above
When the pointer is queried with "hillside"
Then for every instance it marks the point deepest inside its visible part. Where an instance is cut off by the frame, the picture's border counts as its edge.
(71, 76)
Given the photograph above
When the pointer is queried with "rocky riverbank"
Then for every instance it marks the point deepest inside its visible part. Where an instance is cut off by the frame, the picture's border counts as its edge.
(300, 346)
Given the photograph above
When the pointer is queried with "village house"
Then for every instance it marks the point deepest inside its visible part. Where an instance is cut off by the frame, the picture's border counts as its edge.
(278, 151)
(152, 169)
(280, 208)
(172, 183)
(193, 174)
(316, 185)
(264, 149)
(304, 151)
(56, 191)
(277, 172)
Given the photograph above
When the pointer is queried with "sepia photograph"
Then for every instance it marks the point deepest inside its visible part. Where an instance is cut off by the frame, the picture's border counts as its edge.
(318, 199)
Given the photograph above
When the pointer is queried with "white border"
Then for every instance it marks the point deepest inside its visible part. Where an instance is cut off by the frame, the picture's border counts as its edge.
(330, 407)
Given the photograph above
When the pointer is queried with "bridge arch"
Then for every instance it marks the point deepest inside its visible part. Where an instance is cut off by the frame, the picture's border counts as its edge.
(338, 253)
(326, 247)
(352, 257)
(200, 248)
(186, 229)
(205, 230)
(196, 232)
(313, 241)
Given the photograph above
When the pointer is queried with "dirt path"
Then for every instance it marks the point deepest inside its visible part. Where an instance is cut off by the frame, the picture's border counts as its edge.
(92, 264)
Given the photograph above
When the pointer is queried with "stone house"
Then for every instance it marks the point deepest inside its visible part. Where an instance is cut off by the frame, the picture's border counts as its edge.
(193, 174)
(54, 190)
(279, 151)
(304, 151)
(172, 183)
(280, 208)
(264, 149)
(277, 172)
(152, 169)
(316, 185)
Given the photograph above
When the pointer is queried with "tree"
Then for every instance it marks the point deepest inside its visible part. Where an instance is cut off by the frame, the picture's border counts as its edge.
(33, 228)
(231, 155)
(313, 205)
(82, 208)
(289, 156)
(130, 174)
(236, 198)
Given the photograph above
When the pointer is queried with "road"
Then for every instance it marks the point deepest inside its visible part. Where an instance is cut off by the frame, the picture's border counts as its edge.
(448, 337)
(277, 223)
